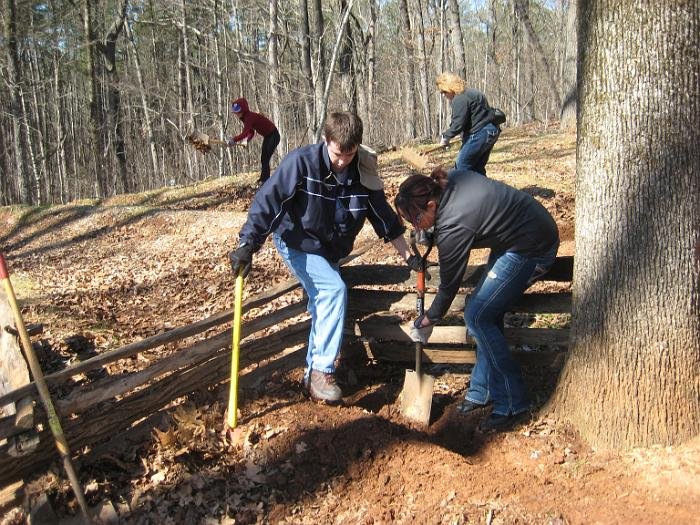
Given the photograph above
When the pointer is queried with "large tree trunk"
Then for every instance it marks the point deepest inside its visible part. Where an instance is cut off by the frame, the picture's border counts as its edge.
(567, 117)
(632, 376)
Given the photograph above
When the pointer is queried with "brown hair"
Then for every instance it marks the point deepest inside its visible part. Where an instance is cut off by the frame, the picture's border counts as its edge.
(417, 190)
(345, 128)
(449, 83)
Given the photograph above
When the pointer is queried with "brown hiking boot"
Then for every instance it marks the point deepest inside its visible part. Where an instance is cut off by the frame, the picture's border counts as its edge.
(322, 386)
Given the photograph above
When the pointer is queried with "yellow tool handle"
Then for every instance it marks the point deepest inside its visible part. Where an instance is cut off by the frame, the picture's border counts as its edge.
(232, 417)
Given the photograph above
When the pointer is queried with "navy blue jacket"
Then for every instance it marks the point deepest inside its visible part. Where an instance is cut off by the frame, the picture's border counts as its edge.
(316, 211)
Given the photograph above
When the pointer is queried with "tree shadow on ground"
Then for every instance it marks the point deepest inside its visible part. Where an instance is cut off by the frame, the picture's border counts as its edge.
(58, 219)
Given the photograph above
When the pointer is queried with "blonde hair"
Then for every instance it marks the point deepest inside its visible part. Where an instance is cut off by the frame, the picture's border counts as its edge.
(449, 82)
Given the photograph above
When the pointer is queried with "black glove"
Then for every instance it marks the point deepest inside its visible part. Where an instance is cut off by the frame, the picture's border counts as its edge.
(415, 263)
(241, 259)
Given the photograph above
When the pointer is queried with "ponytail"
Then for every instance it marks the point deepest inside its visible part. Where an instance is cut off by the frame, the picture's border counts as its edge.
(417, 190)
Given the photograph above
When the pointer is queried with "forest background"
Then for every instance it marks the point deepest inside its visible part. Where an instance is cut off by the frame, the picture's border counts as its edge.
(98, 96)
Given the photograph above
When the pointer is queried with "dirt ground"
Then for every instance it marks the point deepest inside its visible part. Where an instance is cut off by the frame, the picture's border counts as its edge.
(98, 277)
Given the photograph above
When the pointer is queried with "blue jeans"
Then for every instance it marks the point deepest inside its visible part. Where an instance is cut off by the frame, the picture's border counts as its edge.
(475, 151)
(496, 375)
(327, 299)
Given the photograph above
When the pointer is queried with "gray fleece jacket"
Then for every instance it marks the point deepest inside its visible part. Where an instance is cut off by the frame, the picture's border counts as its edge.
(477, 212)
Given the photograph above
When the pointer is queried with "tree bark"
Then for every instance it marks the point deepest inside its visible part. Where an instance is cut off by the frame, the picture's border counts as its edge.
(632, 377)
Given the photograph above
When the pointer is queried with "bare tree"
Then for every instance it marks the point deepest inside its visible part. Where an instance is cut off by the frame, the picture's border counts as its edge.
(568, 108)
(522, 12)
(631, 378)
(27, 194)
(97, 123)
(457, 38)
(409, 77)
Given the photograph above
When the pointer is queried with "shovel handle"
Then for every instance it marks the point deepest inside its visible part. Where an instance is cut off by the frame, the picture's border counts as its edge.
(232, 414)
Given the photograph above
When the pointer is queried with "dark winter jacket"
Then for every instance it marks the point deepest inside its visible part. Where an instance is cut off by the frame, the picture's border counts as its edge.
(470, 113)
(316, 211)
(477, 212)
(252, 122)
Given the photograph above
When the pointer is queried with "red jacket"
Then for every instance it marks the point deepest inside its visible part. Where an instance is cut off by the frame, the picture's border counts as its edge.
(252, 122)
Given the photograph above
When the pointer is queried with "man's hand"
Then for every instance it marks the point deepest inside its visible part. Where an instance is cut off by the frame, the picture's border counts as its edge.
(422, 328)
(231, 143)
(241, 259)
(444, 142)
(415, 263)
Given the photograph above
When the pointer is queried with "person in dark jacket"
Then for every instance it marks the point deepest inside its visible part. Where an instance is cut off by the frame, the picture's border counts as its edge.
(253, 122)
(469, 211)
(315, 206)
(473, 118)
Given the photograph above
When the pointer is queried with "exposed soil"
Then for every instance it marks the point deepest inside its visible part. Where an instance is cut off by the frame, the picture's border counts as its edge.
(98, 277)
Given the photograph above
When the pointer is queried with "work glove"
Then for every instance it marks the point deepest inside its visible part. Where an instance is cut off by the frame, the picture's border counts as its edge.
(241, 259)
(444, 142)
(231, 143)
(414, 262)
(421, 334)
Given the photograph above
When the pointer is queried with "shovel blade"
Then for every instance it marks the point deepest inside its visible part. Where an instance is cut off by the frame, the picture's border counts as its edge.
(417, 396)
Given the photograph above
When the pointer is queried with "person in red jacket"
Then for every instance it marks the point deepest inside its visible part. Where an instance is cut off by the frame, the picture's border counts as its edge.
(253, 122)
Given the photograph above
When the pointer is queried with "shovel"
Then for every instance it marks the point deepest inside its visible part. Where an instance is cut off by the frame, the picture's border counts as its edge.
(232, 414)
(203, 142)
(421, 160)
(417, 393)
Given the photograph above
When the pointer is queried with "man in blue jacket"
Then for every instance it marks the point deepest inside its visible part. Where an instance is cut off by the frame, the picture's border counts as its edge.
(315, 206)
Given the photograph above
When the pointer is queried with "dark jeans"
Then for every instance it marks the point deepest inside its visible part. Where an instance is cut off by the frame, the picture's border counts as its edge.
(496, 375)
(475, 151)
(268, 149)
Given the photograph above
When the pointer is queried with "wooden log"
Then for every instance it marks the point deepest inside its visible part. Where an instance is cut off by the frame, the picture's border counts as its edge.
(374, 330)
(406, 353)
(8, 427)
(83, 431)
(368, 301)
(24, 416)
(12, 495)
(110, 387)
(177, 334)
(383, 274)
